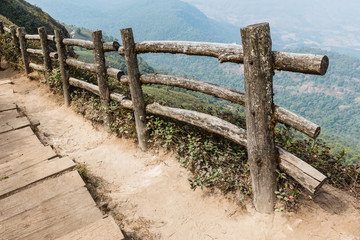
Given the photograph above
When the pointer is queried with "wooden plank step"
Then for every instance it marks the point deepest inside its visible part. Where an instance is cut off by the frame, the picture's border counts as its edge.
(15, 124)
(12, 152)
(8, 115)
(10, 120)
(7, 106)
(15, 135)
(39, 193)
(18, 143)
(19, 162)
(5, 81)
(104, 229)
(34, 174)
(53, 218)
(19, 147)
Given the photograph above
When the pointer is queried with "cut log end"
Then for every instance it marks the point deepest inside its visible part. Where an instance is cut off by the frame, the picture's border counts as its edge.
(317, 132)
(324, 65)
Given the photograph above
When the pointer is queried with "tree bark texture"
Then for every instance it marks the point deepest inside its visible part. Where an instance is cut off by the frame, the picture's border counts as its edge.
(111, 72)
(294, 62)
(15, 39)
(37, 67)
(64, 71)
(260, 122)
(89, 45)
(24, 54)
(137, 96)
(101, 74)
(45, 53)
(2, 28)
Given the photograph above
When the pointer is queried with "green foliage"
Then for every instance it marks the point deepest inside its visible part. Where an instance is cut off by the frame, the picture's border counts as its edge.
(31, 17)
(55, 81)
(9, 52)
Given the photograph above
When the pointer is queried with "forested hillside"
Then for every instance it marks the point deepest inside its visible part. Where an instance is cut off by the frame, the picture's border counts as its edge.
(26, 15)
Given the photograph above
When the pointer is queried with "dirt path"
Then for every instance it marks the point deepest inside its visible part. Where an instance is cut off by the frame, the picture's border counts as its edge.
(150, 193)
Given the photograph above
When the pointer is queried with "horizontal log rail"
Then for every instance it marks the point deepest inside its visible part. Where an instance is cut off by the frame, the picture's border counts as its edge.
(40, 52)
(306, 175)
(294, 62)
(282, 115)
(34, 51)
(89, 45)
(37, 67)
(37, 37)
(111, 72)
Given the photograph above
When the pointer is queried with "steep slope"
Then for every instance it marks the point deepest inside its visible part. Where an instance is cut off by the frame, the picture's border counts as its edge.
(26, 15)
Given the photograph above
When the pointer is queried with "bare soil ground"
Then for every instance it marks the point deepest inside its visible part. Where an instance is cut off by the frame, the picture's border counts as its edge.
(148, 192)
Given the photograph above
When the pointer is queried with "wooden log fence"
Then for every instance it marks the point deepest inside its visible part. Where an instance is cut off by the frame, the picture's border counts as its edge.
(261, 113)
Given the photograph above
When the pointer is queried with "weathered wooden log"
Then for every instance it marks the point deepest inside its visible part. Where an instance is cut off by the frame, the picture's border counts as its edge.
(202, 120)
(51, 37)
(34, 51)
(137, 96)
(114, 73)
(284, 116)
(2, 28)
(222, 51)
(81, 65)
(64, 70)
(299, 123)
(40, 52)
(294, 62)
(24, 55)
(307, 176)
(84, 85)
(54, 55)
(259, 114)
(32, 37)
(101, 73)
(308, 63)
(37, 67)
(7, 30)
(80, 43)
(107, 47)
(15, 39)
(111, 46)
(310, 178)
(46, 53)
(194, 85)
(125, 103)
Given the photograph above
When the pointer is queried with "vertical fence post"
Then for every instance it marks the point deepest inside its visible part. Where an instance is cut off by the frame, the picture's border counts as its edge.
(15, 39)
(258, 72)
(101, 74)
(64, 71)
(2, 28)
(1, 32)
(137, 96)
(24, 54)
(46, 54)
